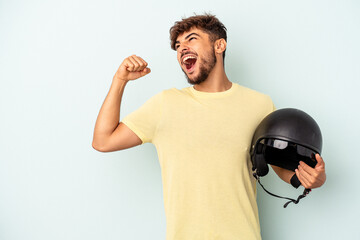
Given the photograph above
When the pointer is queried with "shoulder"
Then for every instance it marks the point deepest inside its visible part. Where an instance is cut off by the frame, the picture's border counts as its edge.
(248, 92)
(170, 95)
(255, 99)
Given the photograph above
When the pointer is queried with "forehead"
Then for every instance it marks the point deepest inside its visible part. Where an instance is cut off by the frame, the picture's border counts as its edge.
(192, 30)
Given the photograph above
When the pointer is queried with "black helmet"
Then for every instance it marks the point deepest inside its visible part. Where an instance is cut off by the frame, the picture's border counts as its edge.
(284, 138)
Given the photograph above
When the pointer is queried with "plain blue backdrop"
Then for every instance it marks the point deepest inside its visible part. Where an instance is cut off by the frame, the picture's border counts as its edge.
(57, 60)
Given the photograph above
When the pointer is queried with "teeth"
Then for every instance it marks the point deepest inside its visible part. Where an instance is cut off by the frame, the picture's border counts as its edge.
(188, 57)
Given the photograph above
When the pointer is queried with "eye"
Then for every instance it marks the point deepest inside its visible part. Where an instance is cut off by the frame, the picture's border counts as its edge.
(192, 38)
(176, 47)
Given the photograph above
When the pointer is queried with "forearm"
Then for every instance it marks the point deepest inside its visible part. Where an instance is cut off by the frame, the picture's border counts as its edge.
(131, 68)
(109, 115)
(283, 173)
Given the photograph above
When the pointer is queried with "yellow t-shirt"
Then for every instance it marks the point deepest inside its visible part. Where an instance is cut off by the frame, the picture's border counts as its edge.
(203, 141)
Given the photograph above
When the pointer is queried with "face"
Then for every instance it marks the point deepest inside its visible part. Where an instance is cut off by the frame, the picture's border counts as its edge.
(195, 54)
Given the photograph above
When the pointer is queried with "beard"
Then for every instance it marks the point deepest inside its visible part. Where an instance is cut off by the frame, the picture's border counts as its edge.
(205, 69)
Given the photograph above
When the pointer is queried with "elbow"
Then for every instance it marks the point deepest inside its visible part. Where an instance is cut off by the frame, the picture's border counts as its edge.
(98, 147)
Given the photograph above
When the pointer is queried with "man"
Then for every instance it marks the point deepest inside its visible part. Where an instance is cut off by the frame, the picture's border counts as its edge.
(202, 135)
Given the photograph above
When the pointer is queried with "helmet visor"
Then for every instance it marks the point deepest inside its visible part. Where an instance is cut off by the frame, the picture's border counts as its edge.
(286, 154)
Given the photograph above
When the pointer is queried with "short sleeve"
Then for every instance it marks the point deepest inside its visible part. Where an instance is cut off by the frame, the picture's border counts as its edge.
(144, 121)
(273, 106)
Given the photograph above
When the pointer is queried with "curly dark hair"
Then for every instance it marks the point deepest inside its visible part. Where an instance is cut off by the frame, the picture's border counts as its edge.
(207, 23)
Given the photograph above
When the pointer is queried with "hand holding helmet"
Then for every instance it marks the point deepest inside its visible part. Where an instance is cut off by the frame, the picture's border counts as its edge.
(311, 177)
(290, 139)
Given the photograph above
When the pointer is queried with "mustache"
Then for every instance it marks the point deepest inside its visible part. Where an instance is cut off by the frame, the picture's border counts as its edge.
(188, 52)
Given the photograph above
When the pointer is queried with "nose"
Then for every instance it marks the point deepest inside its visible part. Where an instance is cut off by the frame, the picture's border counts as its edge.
(183, 47)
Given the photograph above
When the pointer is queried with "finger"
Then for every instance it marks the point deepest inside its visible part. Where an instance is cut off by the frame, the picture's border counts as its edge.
(130, 66)
(135, 64)
(308, 177)
(301, 179)
(145, 71)
(320, 162)
(307, 168)
(143, 61)
(140, 62)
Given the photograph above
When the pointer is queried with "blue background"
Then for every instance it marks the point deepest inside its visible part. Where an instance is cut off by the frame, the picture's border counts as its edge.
(57, 60)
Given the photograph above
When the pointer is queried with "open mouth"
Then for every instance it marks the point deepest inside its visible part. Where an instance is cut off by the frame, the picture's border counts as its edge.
(189, 61)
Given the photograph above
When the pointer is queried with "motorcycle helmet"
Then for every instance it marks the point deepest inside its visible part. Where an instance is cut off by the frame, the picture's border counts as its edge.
(284, 138)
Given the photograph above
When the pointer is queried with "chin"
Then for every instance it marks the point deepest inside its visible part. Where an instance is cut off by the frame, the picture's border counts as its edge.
(196, 80)
(201, 72)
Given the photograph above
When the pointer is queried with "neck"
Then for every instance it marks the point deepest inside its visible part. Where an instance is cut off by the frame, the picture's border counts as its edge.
(217, 80)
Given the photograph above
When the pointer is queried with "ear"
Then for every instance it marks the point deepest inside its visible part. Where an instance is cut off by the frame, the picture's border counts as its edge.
(220, 46)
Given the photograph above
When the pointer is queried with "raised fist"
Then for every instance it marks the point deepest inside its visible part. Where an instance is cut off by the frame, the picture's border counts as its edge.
(132, 68)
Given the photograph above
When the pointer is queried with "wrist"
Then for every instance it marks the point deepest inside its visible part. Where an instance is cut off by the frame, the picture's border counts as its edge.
(119, 79)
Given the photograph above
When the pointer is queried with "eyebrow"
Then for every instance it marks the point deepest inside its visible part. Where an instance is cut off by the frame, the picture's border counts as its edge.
(188, 37)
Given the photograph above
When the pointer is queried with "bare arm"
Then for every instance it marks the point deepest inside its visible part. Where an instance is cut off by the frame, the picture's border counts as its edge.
(283, 173)
(109, 133)
(308, 176)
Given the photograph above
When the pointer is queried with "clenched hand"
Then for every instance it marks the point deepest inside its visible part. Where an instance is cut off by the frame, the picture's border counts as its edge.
(132, 68)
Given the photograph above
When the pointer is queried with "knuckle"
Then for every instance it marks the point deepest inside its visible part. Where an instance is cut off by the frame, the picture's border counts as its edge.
(126, 61)
(312, 181)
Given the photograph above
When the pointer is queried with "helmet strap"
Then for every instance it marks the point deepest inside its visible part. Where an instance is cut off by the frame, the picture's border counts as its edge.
(295, 181)
(306, 192)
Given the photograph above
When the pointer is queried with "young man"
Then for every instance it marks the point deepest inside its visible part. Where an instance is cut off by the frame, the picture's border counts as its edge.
(202, 135)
